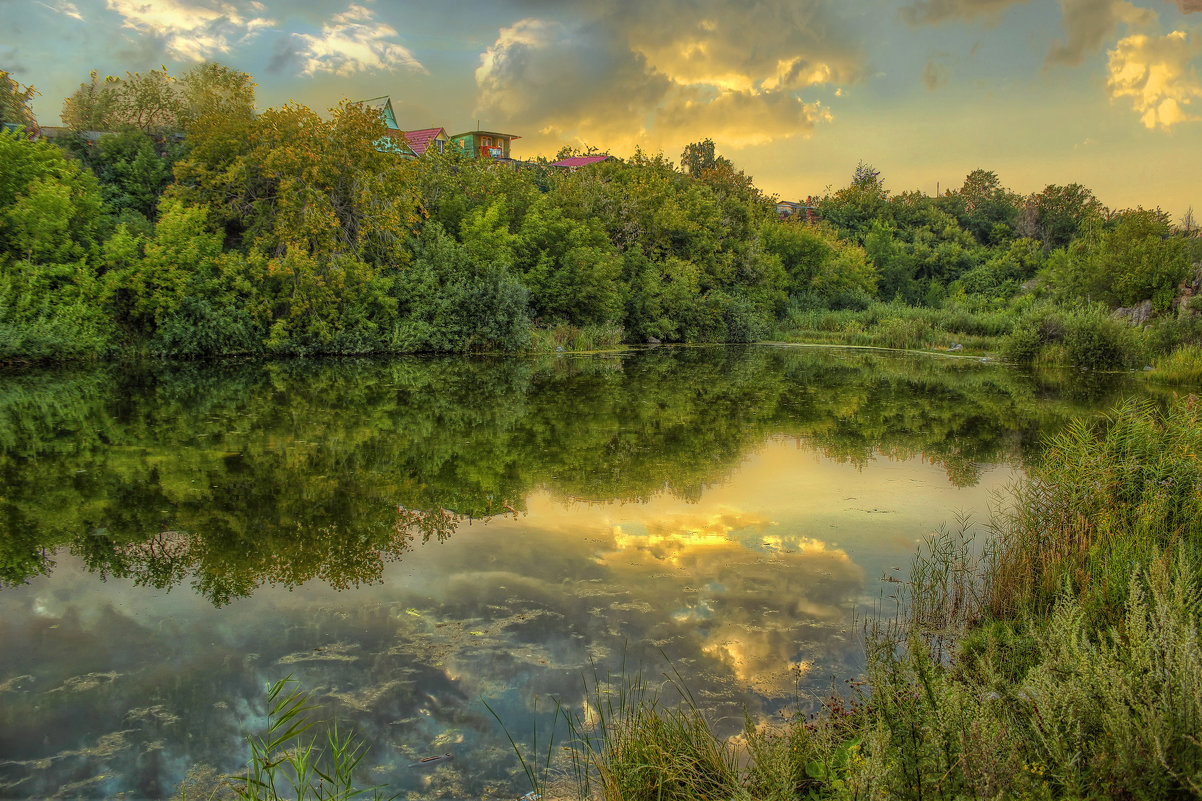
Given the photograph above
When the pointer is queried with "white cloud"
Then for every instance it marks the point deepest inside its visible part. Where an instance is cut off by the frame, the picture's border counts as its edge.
(1155, 72)
(351, 42)
(64, 8)
(195, 30)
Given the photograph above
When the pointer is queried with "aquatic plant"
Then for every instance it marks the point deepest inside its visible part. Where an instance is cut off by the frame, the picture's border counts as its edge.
(284, 764)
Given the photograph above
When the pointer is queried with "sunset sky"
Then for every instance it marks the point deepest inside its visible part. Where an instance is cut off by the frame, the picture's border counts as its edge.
(1107, 93)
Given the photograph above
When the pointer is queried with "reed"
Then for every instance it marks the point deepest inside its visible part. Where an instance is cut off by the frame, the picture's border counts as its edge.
(1181, 366)
(286, 764)
(625, 744)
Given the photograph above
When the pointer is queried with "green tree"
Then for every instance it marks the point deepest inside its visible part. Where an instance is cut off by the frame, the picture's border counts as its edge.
(1136, 260)
(93, 106)
(214, 90)
(15, 102)
(1058, 214)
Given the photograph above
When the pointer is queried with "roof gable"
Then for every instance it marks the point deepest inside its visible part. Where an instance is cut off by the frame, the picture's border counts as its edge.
(382, 104)
(420, 140)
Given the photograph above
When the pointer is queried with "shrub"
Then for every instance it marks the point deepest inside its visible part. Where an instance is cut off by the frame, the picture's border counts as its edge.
(1096, 341)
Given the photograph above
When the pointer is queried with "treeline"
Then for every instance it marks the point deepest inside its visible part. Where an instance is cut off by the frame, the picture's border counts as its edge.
(197, 227)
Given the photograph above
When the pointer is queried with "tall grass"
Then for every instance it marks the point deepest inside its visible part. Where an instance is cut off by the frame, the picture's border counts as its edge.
(899, 326)
(285, 764)
(1047, 706)
(627, 745)
(1110, 494)
(1181, 366)
(566, 337)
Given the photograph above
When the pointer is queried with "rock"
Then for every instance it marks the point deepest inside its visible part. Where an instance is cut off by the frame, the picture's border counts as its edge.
(1141, 312)
(653, 341)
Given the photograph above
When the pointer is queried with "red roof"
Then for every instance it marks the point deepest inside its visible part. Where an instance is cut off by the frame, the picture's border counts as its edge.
(578, 161)
(420, 140)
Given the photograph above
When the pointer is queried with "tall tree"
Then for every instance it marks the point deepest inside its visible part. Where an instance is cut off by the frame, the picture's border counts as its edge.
(93, 106)
(215, 90)
(15, 102)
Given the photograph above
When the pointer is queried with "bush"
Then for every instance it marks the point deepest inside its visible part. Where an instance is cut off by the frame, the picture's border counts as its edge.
(1096, 341)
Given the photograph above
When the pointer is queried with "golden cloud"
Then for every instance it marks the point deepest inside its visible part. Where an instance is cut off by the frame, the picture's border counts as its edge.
(645, 78)
(354, 41)
(1155, 72)
(193, 31)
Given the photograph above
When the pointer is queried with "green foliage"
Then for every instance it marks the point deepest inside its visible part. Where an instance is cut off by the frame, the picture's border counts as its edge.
(15, 102)
(284, 764)
(1059, 214)
(1106, 497)
(630, 746)
(1136, 260)
(1181, 366)
(132, 173)
(50, 209)
(1094, 340)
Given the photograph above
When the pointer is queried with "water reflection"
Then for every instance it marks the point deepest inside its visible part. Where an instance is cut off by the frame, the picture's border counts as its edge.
(724, 509)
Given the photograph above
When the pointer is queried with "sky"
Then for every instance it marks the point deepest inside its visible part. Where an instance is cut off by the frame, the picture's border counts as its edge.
(1105, 93)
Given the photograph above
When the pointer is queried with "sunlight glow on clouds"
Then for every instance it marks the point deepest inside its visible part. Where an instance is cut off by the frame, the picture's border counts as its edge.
(654, 75)
(354, 41)
(1155, 72)
(192, 31)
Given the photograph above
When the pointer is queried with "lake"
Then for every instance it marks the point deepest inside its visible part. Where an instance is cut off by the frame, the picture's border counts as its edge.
(411, 538)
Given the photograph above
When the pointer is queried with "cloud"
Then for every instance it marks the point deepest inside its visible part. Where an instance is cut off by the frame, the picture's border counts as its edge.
(64, 8)
(1189, 6)
(930, 12)
(196, 30)
(1156, 74)
(353, 41)
(1089, 24)
(658, 75)
(934, 74)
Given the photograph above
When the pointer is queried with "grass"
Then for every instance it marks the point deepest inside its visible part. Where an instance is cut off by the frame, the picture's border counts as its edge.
(564, 337)
(1181, 366)
(896, 325)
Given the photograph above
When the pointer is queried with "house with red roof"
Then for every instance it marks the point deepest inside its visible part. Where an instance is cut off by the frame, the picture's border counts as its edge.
(424, 139)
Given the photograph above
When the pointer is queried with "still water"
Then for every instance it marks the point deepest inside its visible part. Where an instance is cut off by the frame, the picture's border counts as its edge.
(413, 538)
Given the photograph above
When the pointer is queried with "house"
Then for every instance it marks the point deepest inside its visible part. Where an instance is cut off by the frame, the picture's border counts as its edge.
(573, 163)
(394, 139)
(484, 144)
(787, 210)
(426, 139)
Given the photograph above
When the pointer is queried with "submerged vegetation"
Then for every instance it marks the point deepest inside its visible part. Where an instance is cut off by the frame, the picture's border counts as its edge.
(198, 228)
